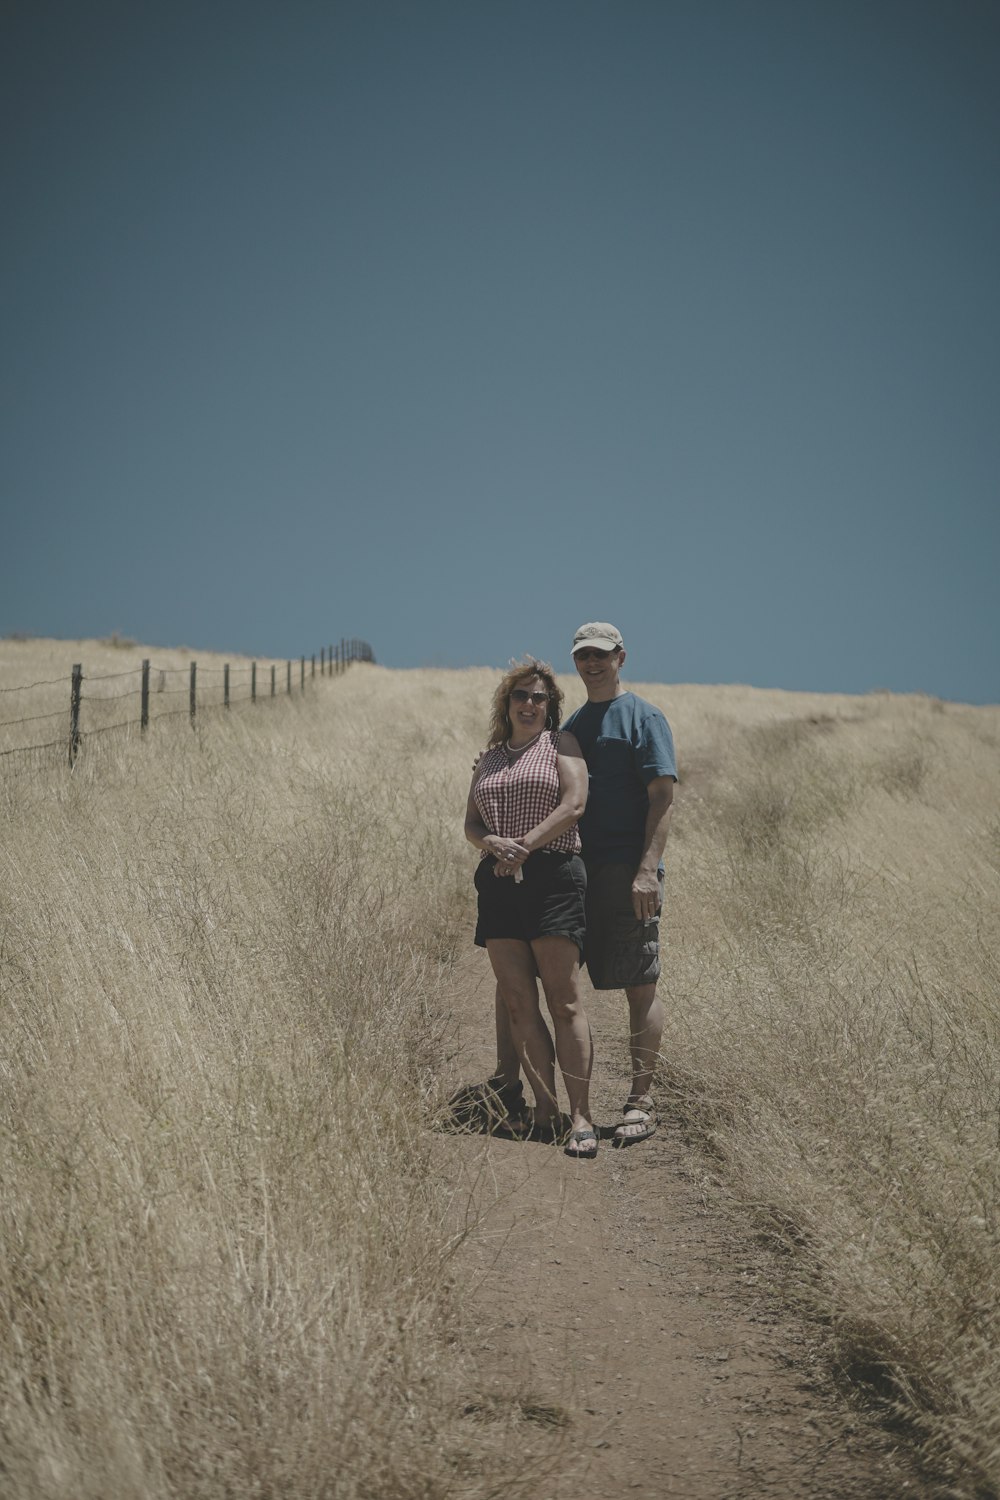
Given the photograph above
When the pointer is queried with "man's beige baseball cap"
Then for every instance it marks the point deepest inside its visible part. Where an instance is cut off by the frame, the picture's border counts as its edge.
(602, 636)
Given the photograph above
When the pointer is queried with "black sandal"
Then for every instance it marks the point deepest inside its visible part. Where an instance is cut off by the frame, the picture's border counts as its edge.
(579, 1136)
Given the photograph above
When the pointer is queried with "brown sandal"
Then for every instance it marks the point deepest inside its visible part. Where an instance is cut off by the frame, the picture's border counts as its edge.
(641, 1111)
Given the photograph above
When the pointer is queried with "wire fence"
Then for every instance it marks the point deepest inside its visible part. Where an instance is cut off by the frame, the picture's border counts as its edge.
(111, 702)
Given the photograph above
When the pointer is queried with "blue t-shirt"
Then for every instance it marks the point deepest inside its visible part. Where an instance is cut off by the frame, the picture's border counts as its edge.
(626, 743)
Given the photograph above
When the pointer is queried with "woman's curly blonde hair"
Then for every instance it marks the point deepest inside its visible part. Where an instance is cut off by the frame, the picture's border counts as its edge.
(522, 671)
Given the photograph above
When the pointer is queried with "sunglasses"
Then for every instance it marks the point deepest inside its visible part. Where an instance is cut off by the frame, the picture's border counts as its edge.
(591, 653)
(521, 695)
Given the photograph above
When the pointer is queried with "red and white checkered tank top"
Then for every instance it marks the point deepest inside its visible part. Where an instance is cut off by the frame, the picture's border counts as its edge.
(513, 796)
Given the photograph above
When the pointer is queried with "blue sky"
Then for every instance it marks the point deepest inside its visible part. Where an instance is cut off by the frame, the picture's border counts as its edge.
(451, 325)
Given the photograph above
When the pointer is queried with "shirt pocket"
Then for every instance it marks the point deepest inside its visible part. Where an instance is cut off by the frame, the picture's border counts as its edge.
(614, 755)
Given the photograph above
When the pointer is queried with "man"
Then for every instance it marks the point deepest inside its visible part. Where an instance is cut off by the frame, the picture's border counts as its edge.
(629, 751)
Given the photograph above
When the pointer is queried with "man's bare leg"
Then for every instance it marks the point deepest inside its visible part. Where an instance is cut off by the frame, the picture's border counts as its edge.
(645, 1036)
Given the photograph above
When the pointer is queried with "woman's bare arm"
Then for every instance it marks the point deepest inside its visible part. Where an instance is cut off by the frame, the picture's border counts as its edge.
(573, 785)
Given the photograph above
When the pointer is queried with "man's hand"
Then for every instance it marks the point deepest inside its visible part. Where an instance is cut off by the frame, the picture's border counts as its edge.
(646, 896)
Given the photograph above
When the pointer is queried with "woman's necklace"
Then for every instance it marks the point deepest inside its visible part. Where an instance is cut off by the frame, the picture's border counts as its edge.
(513, 751)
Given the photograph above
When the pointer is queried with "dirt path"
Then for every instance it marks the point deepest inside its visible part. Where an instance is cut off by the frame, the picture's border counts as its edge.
(633, 1324)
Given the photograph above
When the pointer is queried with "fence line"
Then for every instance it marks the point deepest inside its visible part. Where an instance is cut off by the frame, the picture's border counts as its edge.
(26, 687)
(333, 660)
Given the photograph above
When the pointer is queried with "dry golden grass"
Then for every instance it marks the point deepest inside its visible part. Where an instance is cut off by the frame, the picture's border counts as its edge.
(225, 1262)
(833, 986)
(225, 960)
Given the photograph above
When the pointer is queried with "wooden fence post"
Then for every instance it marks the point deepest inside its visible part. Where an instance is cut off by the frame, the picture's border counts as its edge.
(75, 692)
(288, 668)
(193, 692)
(144, 696)
(313, 672)
(253, 682)
(272, 680)
(302, 674)
(225, 685)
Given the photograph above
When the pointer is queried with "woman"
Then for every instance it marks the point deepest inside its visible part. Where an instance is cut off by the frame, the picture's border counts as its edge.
(527, 794)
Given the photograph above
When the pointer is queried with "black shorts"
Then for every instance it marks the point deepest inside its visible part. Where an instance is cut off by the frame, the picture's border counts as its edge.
(620, 951)
(547, 902)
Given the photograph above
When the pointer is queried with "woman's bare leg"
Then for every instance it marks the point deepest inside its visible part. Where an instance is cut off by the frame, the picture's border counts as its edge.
(514, 966)
(558, 960)
(508, 1061)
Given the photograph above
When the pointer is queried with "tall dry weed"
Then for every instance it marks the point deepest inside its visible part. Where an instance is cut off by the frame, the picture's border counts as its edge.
(835, 1034)
(226, 1256)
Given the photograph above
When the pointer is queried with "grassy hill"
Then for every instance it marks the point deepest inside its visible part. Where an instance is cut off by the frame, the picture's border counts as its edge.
(225, 966)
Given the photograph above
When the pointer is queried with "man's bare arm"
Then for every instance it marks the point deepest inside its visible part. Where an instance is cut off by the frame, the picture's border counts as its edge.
(645, 886)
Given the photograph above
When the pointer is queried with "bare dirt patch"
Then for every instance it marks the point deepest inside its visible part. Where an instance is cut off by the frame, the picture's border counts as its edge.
(633, 1327)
